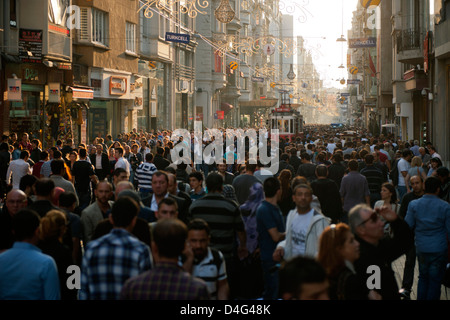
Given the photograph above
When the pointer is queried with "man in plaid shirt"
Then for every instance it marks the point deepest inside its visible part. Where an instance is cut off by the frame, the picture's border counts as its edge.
(110, 260)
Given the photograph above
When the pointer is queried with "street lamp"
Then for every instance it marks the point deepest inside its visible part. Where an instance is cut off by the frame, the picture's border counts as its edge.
(291, 75)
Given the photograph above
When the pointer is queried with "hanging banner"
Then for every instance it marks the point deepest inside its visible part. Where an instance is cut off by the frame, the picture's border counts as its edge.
(14, 89)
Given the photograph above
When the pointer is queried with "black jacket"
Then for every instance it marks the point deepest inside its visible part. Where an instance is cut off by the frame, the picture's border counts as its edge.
(329, 197)
(387, 251)
(101, 174)
(160, 162)
(183, 207)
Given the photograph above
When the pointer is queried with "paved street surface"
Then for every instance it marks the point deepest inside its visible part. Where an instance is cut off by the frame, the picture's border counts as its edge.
(398, 266)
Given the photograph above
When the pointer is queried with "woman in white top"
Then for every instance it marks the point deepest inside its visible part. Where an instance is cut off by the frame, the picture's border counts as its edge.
(388, 197)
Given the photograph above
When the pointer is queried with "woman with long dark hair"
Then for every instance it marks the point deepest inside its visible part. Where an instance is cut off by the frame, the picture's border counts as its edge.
(388, 198)
(338, 251)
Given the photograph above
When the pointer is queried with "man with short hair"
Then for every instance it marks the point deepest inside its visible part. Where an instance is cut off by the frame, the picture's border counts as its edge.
(84, 174)
(115, 257)
(43, 157)
(442, 174)
(433, 153)
(304, 225)
(67, 204)
(169, 240)
(121, 161)
(196, 184)
(354, 189)
(243, 182)
(271, 230)
(403, 167)
(67, 148)
(375, 178)
(378, 250)
(100, 162)
(159, 161)
(424, 156)
(204, 262)
(224, 218)
(25, 272)
(17, 169)
(307, 169)
(222, 170)
(160, 185)
(303, 278)
(15, 200)
(58, 171)
(415, 148)
(328, 194)
(46, 170)
(96, 211)
(336, 170)
(416, 183)
(429, 217)
(143, 176)
(44, 191)
(294, 160)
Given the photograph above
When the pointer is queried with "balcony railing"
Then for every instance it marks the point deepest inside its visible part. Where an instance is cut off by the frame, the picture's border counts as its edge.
(409, 40)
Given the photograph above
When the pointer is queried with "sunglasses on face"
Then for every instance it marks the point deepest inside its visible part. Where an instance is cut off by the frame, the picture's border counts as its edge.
(373, 217)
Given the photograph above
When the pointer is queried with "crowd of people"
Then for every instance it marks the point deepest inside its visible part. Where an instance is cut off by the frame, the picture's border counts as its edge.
(141, 225)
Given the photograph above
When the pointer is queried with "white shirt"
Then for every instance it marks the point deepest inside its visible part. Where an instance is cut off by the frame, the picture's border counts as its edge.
(123, 163)
(17, 169)
(154, 204)
(436, 155)
(208, 272)
(402, 165)
(98, 161)
(299, 228)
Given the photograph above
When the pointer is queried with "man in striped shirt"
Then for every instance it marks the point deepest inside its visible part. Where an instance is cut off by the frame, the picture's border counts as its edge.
(204, 262)
(144, 174)
(225, 220)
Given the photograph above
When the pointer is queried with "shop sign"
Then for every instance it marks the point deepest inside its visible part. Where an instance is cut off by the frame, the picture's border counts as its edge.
(30, 45)
(14, 89)
(54, 92)
(30, 74)
(117, 85)
(178, 37)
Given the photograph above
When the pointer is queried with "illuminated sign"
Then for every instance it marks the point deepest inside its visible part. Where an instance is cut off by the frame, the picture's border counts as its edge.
(117, 85)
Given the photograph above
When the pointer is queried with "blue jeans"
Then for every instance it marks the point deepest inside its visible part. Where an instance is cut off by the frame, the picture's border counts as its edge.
(401, 192)
(270, 280)
(431, 272)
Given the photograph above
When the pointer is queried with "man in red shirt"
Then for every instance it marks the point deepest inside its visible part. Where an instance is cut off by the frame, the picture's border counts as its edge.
(37, 166)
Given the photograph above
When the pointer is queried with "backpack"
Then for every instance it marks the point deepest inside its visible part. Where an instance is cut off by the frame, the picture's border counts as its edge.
(393, 174)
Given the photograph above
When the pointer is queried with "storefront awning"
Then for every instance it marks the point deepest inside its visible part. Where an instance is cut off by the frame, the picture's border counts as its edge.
(262, 103)
(82, 93)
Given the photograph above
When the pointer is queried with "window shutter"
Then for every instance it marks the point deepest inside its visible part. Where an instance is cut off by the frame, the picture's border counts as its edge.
(84, 34)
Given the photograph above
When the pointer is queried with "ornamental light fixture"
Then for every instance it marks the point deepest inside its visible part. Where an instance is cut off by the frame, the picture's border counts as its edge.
(291, 75)
(224, 12)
